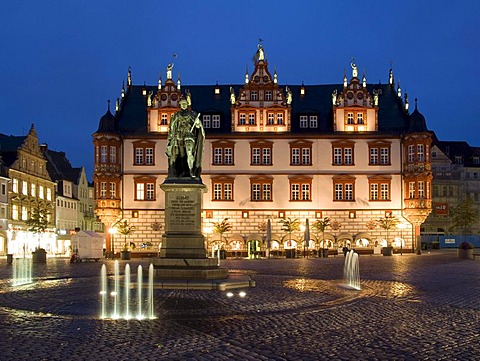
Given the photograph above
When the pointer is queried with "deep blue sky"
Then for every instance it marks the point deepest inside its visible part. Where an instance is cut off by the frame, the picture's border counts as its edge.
(60, 60)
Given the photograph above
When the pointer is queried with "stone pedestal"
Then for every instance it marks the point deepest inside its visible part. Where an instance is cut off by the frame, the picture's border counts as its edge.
(183, 253)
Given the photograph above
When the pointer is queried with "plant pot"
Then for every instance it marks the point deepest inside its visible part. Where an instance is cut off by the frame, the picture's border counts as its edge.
(387, 251)
(125, 255)
(465, 253)
(39, 256)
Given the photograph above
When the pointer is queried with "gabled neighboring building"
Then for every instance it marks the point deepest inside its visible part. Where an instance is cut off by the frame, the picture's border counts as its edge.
(3, 208)
(30, 186)
(456, 175)
(350, 151)
(74, 199)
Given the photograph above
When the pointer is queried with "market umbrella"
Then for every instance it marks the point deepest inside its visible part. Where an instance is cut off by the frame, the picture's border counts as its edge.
(306, 238)
(269, 237)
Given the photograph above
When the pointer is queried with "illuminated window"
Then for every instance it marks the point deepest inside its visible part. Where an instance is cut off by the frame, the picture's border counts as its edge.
(411, 154)
(113, 154)
(145, 189)
(300, 153)
(300, 188)
(420, 153)
(216, 121)
(113, 190)
(144, 153)
(15, 185)
(280, 118)
(379, 153)
(261, 189)
(411, 190)
(33, 189)
(103, 154)
(243, 119)
(271, 119)
(223, 153)
(206, 121)
(421, 189)
(379, 188)
(14, 211)
(359, 118)
(251, 119)
(254, 95)
(103, 189)
(164, 119)
(303, 121)
(261, 152)
(342, 153)
(24, 187)
(344, 188)
(222, 189)
(24, 213)
(350, 118)
(268, 95)
(49, 194)
(40, 192)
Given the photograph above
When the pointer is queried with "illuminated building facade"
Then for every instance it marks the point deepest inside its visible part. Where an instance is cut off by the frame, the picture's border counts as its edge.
(351, 152)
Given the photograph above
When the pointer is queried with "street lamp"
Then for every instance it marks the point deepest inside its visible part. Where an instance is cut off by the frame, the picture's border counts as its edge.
(112, 231)
(401, 226)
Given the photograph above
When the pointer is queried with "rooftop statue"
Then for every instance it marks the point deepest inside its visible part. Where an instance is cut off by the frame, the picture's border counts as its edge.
(185, 143)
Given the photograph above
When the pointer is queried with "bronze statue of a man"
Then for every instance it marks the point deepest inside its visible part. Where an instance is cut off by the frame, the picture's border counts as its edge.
(185, 142)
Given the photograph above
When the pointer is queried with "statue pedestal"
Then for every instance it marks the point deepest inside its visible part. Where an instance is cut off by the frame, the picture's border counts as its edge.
(183, 253)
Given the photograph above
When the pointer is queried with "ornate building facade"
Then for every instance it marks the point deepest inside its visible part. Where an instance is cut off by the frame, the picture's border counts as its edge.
(351, 152)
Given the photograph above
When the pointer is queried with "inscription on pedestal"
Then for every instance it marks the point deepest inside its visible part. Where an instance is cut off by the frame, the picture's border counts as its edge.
(182, 211)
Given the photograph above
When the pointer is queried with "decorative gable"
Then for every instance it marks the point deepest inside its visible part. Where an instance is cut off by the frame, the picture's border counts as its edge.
(261, 105)
(355, 110)
(162, 105)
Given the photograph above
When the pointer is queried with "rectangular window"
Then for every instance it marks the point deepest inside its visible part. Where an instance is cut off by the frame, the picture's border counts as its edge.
(24, 213)
(267, 159)
(411, 154)
(254, 95)
(359, 118)
(4, 189)
(217, 191)
(374, 192)
(337, 156)
(14, 211)
(103, 189)
(256, 193)
(421, 189)
(140, 191)
(216, 121)
(228, 191)
(138, 155)
(251, 119)
(384, 156)
(280, 118)
(150, 195)
(15, 185)
(103, 154)
(384, 192)
(113, 154)
(33, 189)
(255, 155)
(206, 121)
(268, 95)
(420, 153)
(305, 192)
(350, 118)
(243, 119)
(149, 156)
(295, 156)
(113, 190)
(164, 119)
(348, 156)
(24, 187)
(267, 192)
(411, 190)
(270, 118)
(306, 156)
(373, 155)
(313, 121)
(338, 191)
(40, 192)
(218, 156)
(295, 192)
(303, 121)
(228, 155)
(349, 191)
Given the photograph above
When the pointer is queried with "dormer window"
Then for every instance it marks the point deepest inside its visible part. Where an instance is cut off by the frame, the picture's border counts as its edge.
(206, 121)
(254, 95)
(458, 159)
(268, 95)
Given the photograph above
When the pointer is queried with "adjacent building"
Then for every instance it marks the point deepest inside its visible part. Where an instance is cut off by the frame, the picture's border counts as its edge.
(351, 152)
(30, 188)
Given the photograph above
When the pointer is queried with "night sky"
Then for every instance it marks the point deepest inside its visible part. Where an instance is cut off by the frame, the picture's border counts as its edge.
(61, 60)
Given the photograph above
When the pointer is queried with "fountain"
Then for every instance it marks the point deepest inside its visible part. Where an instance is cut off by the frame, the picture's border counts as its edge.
(125, 303)
(22, 272)
(351, 271)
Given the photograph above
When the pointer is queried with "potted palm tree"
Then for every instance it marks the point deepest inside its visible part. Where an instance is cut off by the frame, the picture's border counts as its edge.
(320, 225)
(126, 228)
(221, 228)
(387, 223)
(289, 226)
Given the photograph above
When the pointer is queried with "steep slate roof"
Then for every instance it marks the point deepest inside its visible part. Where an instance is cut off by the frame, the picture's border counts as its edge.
(131, 119)
(453, 149)
(9, 146)
(59, 167)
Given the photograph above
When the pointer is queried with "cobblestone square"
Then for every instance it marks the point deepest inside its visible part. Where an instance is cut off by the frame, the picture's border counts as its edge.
(410, 308)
